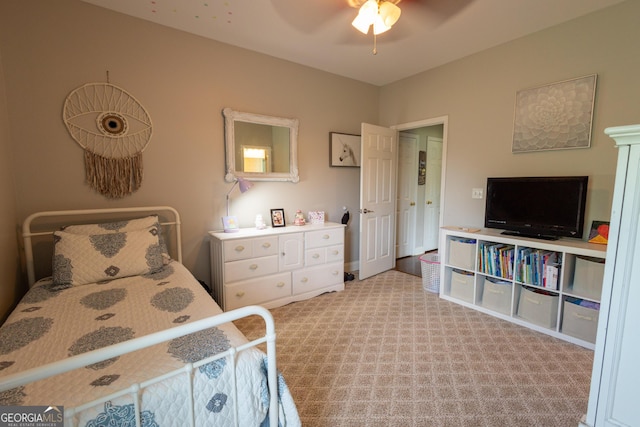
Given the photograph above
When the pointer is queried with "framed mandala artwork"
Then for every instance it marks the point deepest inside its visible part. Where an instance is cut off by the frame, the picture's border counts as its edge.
(554, 117)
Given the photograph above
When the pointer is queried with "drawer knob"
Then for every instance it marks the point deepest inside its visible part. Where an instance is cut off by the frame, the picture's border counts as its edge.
(304, 280)
(326, 236)
(266, 245)
(316, 256)
(335, 273)
(239, 248)
(240, 294)
(253, 267)
(280, 284)
(336, 252)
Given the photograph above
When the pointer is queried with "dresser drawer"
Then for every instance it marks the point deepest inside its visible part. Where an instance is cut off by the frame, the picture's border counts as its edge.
(335, 253)
(265, 246)
(315, 256)
(250, 248)
(319, 238)
(257, 291)
(250, 268)
(310, 279)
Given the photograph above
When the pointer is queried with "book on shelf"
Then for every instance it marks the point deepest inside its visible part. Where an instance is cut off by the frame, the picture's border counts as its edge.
(533, 268)
(551, 277)
(496, 259)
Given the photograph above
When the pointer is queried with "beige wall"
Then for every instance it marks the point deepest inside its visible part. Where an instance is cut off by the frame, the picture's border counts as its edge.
(10, 288)
(478, 95)
(184, 82)
(50, 48)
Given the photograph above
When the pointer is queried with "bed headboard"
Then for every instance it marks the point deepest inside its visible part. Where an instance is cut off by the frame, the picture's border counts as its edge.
(38, 228)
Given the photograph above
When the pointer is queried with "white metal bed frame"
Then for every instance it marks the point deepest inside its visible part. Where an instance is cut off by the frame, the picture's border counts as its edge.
(134, 390)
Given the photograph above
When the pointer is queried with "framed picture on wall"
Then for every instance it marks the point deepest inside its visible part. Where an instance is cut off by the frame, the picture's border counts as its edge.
(344, 150)
(554, 117)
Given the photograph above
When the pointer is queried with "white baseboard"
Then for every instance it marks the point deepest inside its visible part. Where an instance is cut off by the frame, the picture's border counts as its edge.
(352, 266)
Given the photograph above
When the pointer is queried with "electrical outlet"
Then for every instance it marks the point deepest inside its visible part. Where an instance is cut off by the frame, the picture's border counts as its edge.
(476, 193)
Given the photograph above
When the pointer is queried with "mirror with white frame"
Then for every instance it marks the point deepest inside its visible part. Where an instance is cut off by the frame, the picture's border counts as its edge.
(260, 148)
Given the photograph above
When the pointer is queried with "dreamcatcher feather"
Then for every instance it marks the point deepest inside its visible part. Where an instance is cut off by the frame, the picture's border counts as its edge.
(114, 129)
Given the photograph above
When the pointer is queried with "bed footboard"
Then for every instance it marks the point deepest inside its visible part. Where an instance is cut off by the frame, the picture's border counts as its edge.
(134, 390)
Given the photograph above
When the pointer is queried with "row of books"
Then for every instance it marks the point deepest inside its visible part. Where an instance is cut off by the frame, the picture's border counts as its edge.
(496, 259)
(538, 267)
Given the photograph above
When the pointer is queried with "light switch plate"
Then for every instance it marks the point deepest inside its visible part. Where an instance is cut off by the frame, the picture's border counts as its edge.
(477, 193)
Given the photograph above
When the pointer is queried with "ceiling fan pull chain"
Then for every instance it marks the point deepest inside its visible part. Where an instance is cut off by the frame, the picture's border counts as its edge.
(375, 44)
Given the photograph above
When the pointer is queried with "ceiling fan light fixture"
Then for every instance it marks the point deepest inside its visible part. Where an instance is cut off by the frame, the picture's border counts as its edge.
(361, 23)
(381, 14)
(379, 26)
(389, 13)
(366, 16)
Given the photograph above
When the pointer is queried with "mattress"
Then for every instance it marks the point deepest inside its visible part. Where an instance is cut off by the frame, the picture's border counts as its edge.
(53, 322)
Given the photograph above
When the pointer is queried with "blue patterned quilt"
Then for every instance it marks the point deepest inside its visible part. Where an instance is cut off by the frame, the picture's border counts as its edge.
(53, 322)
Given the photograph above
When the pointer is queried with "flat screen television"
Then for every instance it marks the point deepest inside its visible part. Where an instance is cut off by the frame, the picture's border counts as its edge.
(540, 207)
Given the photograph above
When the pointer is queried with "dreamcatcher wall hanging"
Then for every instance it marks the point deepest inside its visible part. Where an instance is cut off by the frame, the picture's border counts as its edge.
(114, 129)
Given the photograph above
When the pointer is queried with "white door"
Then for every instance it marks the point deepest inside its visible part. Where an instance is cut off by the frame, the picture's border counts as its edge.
(432, 196)
(377, 199)
(407, 195)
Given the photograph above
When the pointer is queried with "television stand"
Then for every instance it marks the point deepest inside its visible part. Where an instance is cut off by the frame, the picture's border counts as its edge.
(533, 236)
(533, 283)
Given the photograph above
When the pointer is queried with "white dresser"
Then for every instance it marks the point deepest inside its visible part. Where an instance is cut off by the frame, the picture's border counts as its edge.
(276, 266)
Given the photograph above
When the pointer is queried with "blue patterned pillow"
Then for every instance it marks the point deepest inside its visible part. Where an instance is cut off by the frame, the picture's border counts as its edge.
(80, 259)
(121, 227)
(113, 227)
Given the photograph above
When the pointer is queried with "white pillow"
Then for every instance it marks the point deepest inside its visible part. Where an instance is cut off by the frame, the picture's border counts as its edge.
(80, 259)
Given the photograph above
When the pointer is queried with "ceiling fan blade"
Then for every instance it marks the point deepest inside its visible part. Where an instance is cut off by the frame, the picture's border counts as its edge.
(433, 12)
(308, 16)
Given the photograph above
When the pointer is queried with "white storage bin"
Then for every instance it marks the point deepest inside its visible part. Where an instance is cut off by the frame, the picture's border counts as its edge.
(496, 296)
(580, 322)
(588, 276)
(462, 285)
(538, 308)
(462, 253)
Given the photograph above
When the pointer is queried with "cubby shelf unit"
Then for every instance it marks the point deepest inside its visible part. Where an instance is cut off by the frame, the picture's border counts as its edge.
(567, 310)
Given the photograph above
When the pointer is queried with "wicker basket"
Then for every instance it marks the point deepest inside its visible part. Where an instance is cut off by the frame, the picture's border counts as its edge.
(430, 266)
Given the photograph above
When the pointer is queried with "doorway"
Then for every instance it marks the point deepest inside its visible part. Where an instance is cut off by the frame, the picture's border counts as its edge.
(378, 231)
(421, 184)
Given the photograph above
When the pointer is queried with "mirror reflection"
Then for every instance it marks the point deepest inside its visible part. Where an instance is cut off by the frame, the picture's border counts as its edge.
(260, 148)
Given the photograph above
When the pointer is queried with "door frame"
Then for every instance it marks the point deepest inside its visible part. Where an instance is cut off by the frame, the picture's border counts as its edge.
(444, 121)
(413, 173)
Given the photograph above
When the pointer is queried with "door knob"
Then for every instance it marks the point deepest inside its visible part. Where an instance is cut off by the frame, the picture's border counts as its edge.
(412, 204)
(365, 211)
(429, 202)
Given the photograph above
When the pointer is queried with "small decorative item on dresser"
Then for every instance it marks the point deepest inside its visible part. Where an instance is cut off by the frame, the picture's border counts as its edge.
(299, 219)
(230, 224)
(316, 217)
(277, 218)
(260, 224)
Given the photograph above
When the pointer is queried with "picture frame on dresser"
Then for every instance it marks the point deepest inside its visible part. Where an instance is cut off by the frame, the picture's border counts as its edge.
(277, 218)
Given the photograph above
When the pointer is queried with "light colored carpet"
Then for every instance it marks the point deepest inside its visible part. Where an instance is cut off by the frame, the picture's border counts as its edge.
(386, 353)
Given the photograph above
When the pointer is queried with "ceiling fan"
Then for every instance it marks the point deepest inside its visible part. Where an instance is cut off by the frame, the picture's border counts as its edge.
(377, 14)
(310, 15)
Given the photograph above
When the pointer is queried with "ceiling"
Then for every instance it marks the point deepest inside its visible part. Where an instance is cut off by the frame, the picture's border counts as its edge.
(318, 33)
